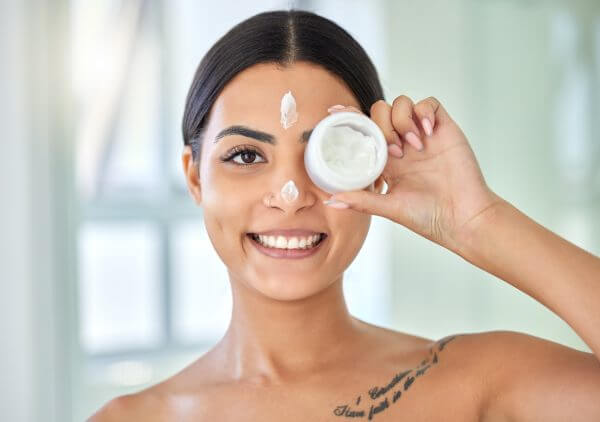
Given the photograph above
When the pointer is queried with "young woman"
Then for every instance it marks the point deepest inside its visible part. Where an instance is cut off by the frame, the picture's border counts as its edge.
(292, 351)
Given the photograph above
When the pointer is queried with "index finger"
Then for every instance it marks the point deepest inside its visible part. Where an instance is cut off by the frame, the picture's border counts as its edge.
(381, 114)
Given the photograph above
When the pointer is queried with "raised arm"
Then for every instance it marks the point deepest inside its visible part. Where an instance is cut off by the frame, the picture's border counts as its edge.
(436, 189)
(505, 242)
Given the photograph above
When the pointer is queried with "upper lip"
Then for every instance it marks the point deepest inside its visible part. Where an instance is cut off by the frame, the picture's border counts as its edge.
(288, 232)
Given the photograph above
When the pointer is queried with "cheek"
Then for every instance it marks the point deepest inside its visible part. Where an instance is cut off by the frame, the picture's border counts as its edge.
(349, 223)
(225, 190)
(225, 225)
(229, 201)
(349, 229)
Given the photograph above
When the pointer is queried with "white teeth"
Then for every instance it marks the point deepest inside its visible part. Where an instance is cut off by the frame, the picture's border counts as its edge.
(281, 242)
(311, 240)
(292, 243)
(267, 240)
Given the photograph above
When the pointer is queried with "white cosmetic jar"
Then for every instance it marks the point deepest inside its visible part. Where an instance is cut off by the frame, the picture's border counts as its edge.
(325, 176)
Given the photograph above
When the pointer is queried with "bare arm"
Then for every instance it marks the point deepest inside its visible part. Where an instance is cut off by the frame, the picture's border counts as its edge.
(439, 192)
(560, 275)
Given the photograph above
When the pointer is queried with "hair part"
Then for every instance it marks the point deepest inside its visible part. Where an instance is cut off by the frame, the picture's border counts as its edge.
(282, 37)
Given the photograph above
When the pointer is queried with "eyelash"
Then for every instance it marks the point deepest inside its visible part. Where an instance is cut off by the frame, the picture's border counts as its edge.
(237, 150)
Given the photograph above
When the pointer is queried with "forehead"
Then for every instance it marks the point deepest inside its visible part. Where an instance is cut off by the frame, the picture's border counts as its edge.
(254, 95)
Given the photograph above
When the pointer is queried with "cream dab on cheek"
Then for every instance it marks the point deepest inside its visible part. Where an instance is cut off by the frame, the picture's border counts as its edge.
(289, 115)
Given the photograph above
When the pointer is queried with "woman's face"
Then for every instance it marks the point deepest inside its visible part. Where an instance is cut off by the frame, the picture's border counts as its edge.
(232, 193)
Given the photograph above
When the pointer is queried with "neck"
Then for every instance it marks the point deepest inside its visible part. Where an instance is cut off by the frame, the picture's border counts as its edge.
(276, 340)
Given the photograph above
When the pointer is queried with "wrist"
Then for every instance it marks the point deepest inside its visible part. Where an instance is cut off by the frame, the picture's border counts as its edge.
(469, 237)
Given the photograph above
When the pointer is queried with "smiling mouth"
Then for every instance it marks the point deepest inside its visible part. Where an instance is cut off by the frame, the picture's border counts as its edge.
(288, 242)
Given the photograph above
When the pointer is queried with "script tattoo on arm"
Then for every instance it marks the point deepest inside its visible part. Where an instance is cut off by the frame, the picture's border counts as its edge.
(400, 382)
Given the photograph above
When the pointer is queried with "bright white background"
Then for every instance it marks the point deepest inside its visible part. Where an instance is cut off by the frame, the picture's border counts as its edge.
(107, 280)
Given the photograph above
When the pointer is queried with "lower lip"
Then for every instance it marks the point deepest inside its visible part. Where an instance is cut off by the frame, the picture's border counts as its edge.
(287, 253)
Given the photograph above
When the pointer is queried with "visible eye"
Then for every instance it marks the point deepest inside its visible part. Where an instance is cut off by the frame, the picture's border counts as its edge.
(246, 154)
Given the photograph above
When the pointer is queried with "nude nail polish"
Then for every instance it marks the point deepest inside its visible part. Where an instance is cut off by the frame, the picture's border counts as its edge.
(427, 126)
(336, 204)
(414, 141)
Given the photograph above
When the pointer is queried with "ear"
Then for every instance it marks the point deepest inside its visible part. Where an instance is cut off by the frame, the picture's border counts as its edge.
(191, 172)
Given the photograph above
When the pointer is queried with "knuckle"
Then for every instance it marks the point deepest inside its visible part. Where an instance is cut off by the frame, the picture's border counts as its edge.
(434, 102)
(376, 105)
(402, 124)
(426, 107)
(423, 108)
(421, 105)
(402, 99)
(402, 120)
(380, 114)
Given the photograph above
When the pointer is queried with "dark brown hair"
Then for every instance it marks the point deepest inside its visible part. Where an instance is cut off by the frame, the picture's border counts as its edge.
(282, 37)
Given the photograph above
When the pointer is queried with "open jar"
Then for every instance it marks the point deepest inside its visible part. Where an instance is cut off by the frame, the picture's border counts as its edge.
(346, 151)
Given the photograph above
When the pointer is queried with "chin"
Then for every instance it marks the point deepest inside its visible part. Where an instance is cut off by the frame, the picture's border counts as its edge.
(288, 287)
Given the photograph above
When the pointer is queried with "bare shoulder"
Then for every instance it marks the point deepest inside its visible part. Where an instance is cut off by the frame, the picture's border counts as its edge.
(183, 395)
(498, 351)
(515, 351)
(530, 378)
(495, 340)
(130, 407)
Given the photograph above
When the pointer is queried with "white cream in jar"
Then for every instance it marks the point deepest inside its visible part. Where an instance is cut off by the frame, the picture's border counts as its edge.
(346, 151)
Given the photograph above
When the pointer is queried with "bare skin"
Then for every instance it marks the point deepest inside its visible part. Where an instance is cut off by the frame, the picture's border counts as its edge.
(293, 352)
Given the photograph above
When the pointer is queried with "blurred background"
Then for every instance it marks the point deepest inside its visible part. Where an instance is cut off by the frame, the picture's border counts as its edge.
(108, 282)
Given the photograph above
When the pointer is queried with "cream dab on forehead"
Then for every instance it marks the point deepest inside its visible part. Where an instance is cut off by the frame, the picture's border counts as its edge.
(289, 115)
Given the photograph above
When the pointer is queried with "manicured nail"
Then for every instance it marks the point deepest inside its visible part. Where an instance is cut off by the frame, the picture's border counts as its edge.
(395, 151)
(414, 141)
(427, 126)
(352, 108)
(336, 107)
(336, 204)
(398, 151)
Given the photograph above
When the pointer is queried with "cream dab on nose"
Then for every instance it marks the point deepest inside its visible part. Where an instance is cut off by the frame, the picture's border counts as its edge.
(289, 191)
(289, 115)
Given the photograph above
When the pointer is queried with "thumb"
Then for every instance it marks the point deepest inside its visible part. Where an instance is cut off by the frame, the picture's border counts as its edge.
(364, 201)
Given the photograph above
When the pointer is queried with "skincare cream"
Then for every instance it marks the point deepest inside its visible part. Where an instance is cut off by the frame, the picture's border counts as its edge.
(289, 115)
(289, 191)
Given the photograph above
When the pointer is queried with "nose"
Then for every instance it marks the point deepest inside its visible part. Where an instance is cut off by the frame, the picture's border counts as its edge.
(291, 194)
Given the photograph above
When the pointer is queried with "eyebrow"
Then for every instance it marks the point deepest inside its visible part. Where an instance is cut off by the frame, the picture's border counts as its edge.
(256, 134)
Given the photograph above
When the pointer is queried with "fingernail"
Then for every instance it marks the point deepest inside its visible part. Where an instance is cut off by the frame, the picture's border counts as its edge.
(427, 126)
(414, 141)
(336, 107)
(395, 151)
(336, 204)
(354, 109)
